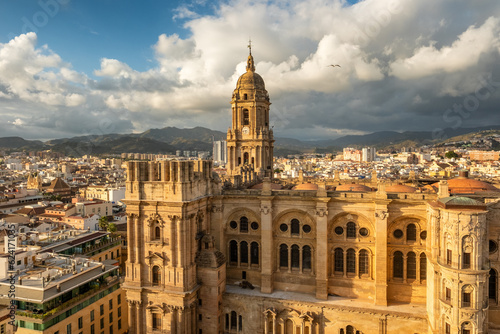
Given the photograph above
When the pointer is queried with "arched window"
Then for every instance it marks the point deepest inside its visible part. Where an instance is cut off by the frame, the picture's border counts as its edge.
(423, 267)
(363, 262)
(492, 285)
(295, 256)
(398, 265)
(467, 292)
(351, 230)
(244, 223)
(246, 117)
(234, 316)
(411, 266)
(233, 251)
(466, 328)
(306, 257)
(245, 158)
(338, 258)
(243, 252)
(254, 253)
(295, 226)
(157, 233)
(351, 261)
(349, 330)
(411, 232)
(283, 255)
(467, 246)
(156, 275)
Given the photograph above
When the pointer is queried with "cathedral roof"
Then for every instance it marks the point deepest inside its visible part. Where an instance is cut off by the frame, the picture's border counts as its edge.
(400, 188)
(306, 186)
(250, 80)
(353, 187)
(460, 202)
(464, 185)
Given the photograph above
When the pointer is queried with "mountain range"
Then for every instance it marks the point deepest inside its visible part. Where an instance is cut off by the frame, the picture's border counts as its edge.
(170, 139)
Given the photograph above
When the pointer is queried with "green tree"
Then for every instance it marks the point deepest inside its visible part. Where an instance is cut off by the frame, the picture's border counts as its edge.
(451, 154)
(104, 223)
(111, 227)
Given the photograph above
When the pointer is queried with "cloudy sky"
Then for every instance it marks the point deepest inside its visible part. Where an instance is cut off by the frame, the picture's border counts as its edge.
(72, 67)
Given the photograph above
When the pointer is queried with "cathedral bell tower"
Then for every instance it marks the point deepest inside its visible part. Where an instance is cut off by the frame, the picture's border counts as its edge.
(249, 140)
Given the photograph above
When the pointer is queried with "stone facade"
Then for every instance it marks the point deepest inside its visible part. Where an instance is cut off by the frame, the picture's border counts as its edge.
(204, 258)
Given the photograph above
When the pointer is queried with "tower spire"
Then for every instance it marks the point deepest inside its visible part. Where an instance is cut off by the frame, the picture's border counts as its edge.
(250, 63)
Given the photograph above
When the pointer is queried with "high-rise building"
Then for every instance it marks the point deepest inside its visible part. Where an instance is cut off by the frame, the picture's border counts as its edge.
(368, 154)
(220, 152)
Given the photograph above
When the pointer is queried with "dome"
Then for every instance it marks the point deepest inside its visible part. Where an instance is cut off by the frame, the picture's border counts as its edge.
(250, 79)
(353, 187)
(274, 186)
(463, 185)
(400, 188)
(460, 201)
(306, 186)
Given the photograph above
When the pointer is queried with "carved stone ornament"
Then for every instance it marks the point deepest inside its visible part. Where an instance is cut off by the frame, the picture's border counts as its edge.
(266, 210)
(321, 212)
(173, 218)
(466, 315)
(131, 215)
(467, 244)
(155, 218)
(271, 311)
(474, 225)
(381, 215)
(217, 208)
(164, 308)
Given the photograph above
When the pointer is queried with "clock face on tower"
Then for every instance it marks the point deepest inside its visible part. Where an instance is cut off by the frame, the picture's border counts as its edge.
(245, 130)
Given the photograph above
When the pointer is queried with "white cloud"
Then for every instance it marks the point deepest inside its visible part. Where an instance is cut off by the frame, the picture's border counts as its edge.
(463, 53)
(401, 63)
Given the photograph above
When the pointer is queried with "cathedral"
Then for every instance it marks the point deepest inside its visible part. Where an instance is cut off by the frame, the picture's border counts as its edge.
(247, 255)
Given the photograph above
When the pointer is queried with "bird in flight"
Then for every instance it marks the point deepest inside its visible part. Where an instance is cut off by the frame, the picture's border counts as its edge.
(336, 65)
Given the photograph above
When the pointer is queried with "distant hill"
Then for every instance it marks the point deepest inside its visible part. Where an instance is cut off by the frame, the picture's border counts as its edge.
(170, 139)
(18, 142)
(170, 134)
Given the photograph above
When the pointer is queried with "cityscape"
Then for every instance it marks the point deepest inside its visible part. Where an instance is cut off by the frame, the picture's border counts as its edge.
(350, 186)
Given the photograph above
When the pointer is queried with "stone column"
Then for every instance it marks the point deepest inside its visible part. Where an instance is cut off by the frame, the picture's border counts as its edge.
(138, 250)
(139, 318)
(131, 309)
(173, 241)
(180, 321)
(381, 256)
(266, 218)
(322, 249)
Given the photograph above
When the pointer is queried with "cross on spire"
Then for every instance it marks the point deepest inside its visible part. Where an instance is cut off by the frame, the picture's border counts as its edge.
(250, 45)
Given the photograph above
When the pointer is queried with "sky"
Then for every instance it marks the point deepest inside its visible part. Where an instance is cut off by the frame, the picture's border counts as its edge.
(70, 68)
